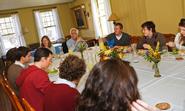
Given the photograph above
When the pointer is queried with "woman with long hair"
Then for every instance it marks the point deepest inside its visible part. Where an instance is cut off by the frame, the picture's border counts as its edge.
(46, 43)
(179, 41)
(112, 86)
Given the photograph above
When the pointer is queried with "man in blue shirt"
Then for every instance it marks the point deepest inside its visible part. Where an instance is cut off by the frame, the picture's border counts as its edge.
(118, 38)
(74, 42)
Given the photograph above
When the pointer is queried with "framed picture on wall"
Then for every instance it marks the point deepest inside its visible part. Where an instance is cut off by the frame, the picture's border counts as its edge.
(80, 18)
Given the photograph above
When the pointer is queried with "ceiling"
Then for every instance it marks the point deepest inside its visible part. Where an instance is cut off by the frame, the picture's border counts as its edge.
(13, 4)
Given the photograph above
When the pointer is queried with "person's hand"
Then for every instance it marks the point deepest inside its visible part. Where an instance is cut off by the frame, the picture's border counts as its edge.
(170, 44)
(142, 106)
(146, 46)
(116, 47)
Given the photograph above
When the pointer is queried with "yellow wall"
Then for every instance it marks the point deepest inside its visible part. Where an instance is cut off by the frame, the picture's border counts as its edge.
(165, 13)
(85, 33)
(27, 20)
(132, 13)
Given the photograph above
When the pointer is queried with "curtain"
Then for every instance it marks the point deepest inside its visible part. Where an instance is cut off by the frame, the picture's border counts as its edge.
(96, 19)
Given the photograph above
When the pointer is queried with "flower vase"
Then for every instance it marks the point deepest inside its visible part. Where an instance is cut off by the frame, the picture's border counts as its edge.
(82, 55)
(156, 69)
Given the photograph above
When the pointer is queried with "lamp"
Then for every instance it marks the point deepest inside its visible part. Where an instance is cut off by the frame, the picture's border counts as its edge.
(113, 17)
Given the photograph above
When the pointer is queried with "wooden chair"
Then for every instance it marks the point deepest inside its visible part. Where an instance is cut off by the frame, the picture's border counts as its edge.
(16, 105)
(135, 39)
(27, 106)
(91, 42)
(169, 37)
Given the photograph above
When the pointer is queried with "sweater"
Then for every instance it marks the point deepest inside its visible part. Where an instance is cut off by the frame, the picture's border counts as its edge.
(152, 41)
(13, 72)
(60, 97)
(32, 83)
(125, 39)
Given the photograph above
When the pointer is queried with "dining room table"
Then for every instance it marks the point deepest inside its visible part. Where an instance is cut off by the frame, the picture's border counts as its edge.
(170, 87)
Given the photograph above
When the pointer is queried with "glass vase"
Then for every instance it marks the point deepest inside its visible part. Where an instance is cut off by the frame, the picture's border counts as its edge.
(82, 55)
(156, 69)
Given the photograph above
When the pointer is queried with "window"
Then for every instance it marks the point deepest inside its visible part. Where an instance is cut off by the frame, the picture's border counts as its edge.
(101, 12)
(48, 24)
(10, 33)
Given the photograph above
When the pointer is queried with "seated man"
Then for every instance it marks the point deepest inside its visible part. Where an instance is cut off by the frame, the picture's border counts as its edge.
(23, 56)
(151, 37)
(118, 38)
(63, 95)
(34, 80)
(74, 42)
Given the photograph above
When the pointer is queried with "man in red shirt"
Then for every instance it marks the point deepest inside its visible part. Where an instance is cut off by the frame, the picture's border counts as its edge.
(34, 80)
(62, 95)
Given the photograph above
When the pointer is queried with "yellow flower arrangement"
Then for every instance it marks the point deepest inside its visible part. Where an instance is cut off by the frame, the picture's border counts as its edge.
(106, 53)
(154, 56)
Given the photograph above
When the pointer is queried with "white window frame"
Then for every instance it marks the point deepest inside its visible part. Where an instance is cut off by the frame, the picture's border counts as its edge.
(18, 33)
(96, 18)
(40, 27)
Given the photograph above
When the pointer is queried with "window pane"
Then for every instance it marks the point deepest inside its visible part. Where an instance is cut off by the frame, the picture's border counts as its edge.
(47, 23)
(10, 41)
(10, 33)
(51, 32)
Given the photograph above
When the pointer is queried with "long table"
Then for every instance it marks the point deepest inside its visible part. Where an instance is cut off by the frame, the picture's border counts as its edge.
(170, 87)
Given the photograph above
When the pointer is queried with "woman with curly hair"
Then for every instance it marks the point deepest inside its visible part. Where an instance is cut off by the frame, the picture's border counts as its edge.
(111, 86)
(62, 95)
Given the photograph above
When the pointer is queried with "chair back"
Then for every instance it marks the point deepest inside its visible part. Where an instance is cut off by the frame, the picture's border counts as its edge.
(27, 106)
(16, 105)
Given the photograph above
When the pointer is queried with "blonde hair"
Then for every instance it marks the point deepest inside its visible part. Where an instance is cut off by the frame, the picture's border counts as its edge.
(74, 29)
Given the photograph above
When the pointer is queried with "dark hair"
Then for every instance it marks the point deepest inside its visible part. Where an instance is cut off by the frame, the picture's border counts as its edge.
(10, 58)
(182, 22)
(11, 54)
(182, 38)
(49, 42)
(22, 52)
(72, 68)
(41, 52)
(149, 25)
(120, 25)
(111, 86)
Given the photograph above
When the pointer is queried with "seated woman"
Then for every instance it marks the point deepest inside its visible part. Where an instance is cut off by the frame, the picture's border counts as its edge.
(62, 95)
(75, 41)
(46, 43)
(179, 41)
(111, 86)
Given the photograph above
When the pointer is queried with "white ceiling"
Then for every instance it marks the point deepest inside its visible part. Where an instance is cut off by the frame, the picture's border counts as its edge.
(13, 4)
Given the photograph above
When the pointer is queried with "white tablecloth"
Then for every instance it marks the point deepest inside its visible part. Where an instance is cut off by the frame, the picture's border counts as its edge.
(168, 88)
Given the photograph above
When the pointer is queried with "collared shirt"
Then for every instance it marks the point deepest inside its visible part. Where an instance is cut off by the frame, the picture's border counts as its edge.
(64, 81)
(20, 64)
(74, 45)
(71, 44)
(119, 37)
